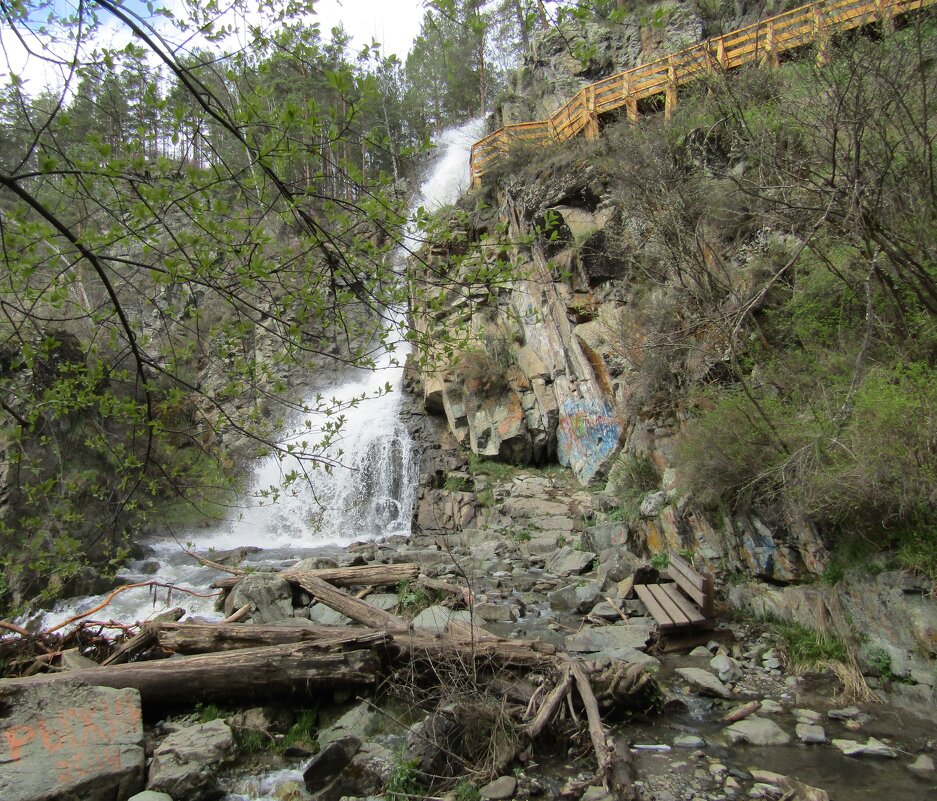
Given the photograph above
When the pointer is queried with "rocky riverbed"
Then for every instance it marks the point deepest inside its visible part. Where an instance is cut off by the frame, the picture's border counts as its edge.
(541, 573)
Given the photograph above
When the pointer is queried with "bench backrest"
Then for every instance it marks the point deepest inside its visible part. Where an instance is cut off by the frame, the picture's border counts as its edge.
(695, 585)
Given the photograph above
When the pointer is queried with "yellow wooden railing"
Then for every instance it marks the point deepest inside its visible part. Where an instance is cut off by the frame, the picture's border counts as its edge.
(762, 41)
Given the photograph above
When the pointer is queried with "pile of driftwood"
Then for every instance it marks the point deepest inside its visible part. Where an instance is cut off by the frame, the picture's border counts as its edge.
(183, 663)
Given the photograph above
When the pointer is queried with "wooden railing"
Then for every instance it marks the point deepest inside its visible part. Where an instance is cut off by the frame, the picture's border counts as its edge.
(762, 41)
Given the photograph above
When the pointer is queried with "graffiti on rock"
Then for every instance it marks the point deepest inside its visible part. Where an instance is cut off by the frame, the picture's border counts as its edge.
(587, 436)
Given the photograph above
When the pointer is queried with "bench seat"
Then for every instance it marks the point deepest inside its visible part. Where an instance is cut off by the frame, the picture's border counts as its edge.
(684, 602)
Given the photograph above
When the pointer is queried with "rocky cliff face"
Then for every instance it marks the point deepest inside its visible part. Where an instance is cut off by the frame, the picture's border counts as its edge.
(554, 374)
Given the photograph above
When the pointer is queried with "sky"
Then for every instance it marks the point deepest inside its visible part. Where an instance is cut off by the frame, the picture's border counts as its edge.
(393, 23)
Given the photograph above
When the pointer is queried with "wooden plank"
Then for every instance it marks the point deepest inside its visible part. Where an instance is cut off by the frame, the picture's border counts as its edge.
(691, 575)
(697, 595)
(683, 603)
(657, 611)
(666, 602)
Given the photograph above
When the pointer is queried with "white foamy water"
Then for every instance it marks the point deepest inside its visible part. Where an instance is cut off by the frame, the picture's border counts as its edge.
(368, 495)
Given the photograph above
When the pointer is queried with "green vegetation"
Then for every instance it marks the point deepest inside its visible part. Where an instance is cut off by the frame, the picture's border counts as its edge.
(251, 741)
(807, 649)
(404, 781)
(660, 560)
(521, 535)
(496, 470)
(466, 791)
(206, 713)
(303, 731)
(411, 598)
(776, 242)
(457, 484)
(633, 475)
(178, 239)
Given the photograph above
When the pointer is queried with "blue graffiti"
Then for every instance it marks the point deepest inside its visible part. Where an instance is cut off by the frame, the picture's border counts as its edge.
(587, 435)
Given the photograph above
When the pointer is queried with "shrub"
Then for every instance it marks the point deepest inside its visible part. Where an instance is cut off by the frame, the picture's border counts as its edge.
(632, 476)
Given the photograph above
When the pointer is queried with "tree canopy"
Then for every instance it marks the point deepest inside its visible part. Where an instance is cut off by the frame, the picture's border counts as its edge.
(184, 220)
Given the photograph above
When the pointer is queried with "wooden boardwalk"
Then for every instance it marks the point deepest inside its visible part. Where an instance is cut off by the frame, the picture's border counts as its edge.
(761, 42)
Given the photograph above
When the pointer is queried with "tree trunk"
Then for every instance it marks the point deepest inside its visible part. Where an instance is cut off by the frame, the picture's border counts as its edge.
(378, 575)
(356, 609)
(196, 638)
(252, 673)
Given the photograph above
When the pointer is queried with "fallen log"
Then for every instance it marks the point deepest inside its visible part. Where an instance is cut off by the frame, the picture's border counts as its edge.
(334, 598)
(378, 575)
(134, 645)
(463, 594)
(201, 638)
(251, 673)
(623, 773)
(616, 765)
(741, 712)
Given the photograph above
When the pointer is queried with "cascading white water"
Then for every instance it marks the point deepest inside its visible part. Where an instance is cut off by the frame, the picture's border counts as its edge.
(370, 495)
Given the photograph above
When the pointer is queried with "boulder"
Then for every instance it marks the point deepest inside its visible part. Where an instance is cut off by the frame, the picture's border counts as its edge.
(433, 619)
(326, 616)
(366, 774)
(757, 731)
(186, 762)
(431, 743)
(500, 789)
(606, 536)
(150, 795)
(652, 504)
(63, 740)
(569, 562)
(923, 766)
(267, 719)
(726, 667)
(269, 595)
(810, 733)
(704, 681)
(579, 598)
(612, 655)
(688, 741)
(359, 721)
(330, 761)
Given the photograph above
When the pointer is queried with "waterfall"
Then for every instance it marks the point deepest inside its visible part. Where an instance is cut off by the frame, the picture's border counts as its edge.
(369, 495)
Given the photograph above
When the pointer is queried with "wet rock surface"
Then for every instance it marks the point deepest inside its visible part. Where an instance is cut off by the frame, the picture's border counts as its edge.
(67, 741)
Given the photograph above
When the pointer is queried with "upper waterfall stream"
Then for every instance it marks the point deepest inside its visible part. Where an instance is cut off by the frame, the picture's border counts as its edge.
(370, 495)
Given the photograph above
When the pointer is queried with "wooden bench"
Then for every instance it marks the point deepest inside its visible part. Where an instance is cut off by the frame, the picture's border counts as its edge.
(684, 602)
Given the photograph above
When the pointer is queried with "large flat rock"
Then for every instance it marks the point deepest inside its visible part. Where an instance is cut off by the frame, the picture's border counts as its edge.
(63, 740)
(590, 640)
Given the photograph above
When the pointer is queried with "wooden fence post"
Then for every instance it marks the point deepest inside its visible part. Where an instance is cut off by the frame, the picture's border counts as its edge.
(473, 169)
(771, 50)
(670, 93)
(821, 36)
(592, 119)
(631, 102)
(721, 59)
(886, 15)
